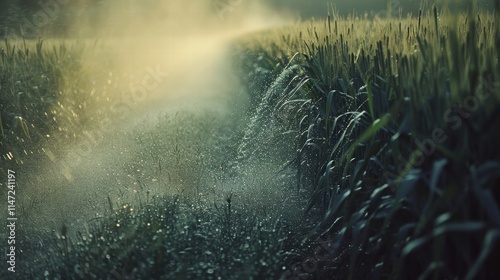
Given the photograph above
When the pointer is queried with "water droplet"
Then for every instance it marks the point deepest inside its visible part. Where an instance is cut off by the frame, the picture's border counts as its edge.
(77, 269)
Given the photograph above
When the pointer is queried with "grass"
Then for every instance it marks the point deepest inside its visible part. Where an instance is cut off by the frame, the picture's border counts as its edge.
(30, 78)
(51, 94)
(181, 217)
(388, 128)
(47, 94)
(183, 241)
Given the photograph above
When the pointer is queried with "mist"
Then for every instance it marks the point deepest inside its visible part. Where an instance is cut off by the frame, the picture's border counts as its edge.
(156, 58)
(237, 139)
(161, 58)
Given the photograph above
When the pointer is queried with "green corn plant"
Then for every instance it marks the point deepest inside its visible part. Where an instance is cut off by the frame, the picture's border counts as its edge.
(366, 105)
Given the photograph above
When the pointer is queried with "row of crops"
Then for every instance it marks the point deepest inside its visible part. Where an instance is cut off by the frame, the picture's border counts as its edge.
(396, 125)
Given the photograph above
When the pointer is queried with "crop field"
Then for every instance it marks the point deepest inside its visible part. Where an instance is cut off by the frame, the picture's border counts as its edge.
(236, 140)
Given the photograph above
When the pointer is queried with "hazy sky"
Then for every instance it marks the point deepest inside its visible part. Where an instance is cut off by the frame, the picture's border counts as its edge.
(309, 8)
